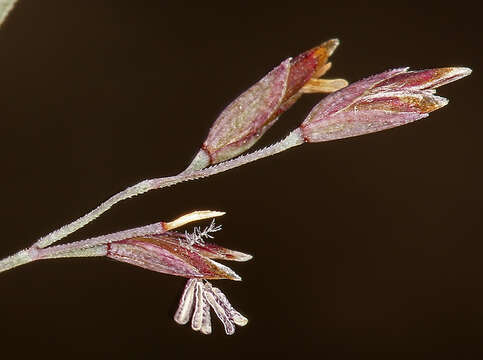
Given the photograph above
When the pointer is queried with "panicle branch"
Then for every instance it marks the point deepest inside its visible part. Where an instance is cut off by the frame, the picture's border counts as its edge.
(392, 98)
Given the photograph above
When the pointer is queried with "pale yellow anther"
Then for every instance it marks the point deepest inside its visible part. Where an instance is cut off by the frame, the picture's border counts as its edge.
(192, 216)
(323, 85)
(322, 70)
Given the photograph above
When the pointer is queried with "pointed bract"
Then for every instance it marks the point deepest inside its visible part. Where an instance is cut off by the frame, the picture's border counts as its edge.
(243, 121)
(425, 79)
(392, 98)
(213, 251)
(248, 117)
(169, 253)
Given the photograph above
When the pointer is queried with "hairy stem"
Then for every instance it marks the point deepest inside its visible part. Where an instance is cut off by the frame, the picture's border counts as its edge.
(62, 250)
(20, 258)
(293, 139)
(95, 246)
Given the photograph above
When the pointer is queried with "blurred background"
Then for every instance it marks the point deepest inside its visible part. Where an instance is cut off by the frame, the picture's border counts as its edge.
(363, 246)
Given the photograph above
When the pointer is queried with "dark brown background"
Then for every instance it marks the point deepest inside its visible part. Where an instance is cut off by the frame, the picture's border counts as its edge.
(370, 245)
